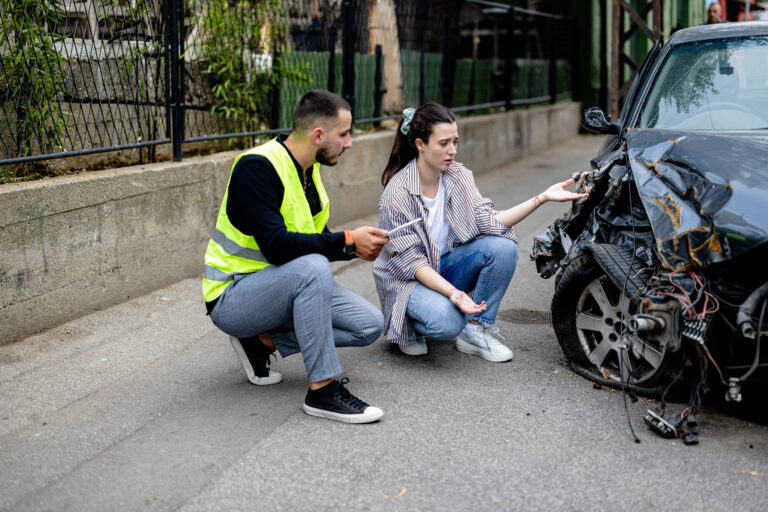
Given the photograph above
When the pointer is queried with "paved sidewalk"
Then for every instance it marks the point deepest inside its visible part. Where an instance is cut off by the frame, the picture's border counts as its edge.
(144, 406)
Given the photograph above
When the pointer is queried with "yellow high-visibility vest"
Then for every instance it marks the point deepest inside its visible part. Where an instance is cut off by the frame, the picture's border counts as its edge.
(230, 252)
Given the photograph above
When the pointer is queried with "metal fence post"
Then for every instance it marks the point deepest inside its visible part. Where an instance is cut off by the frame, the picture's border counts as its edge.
(181, 108)
(509, 65)
(552, 63)
(177, 136)
(274, 107)
(422, 42)
(167, 67)
(603, 95)
(527, 49)
(378, 90)
(616, 64)
(471, 95)
(348, 56)
(332, 60)
(421, 76)
(526, 31)
(448, 62)
(571, 54)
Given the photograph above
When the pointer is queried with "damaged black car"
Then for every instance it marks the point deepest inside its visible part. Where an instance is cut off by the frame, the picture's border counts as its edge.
(662, 271)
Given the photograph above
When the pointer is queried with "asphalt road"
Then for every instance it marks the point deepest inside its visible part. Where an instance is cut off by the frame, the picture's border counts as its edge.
(144, 406)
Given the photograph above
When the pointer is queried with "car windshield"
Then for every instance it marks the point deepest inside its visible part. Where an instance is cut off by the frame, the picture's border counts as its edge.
(718, 85)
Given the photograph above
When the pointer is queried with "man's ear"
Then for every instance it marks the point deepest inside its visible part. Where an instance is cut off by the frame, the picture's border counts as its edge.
(317, 135)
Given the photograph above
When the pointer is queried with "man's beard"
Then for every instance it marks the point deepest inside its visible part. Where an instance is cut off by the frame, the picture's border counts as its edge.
(324, 158)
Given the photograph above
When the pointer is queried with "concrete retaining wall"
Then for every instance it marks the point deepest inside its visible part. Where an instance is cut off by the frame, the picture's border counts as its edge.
(72, 245)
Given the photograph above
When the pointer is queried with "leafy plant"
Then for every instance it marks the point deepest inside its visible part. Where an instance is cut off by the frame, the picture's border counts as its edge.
(235, 49)
(31, 76)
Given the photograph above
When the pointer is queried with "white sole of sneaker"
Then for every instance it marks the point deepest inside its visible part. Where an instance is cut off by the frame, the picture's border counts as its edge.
(273, 378)
(413, 350)
(369, 415)
(469, 348)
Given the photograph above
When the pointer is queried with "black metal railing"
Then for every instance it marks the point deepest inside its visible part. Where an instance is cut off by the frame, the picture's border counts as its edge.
(77, 78)
(87, 76)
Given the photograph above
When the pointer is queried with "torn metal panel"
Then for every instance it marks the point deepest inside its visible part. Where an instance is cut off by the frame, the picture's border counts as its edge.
(578, 225)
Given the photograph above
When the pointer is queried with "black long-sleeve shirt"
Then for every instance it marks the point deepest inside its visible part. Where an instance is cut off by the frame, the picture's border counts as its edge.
(254, 197)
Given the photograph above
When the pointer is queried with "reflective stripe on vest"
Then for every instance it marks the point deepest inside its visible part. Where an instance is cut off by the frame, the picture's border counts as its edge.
(233, 248)
(231, 252)
(214, 274)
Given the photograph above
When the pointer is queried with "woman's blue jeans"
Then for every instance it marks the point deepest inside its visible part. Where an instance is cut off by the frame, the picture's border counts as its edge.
(485, 267)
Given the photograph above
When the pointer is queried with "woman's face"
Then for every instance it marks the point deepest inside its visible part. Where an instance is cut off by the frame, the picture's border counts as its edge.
(441, 149)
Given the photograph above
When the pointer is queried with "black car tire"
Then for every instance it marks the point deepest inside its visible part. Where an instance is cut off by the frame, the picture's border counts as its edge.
(569, 293)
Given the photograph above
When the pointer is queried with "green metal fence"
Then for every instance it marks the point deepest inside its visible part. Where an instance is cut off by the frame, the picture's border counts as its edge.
(533, 78)
(312, 68)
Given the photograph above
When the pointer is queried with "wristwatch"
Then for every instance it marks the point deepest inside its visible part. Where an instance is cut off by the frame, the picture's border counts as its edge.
(349, 244)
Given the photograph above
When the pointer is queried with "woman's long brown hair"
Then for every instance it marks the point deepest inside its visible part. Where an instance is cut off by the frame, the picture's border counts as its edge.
(404, 148)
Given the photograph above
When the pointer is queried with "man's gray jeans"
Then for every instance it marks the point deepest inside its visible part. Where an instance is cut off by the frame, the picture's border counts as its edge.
(303, 310)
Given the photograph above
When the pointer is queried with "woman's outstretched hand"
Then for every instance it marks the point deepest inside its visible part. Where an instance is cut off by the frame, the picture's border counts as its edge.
(465, 304)
(558, 193)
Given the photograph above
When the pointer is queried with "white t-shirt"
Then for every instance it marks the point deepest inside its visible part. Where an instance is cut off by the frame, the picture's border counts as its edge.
(437, 223)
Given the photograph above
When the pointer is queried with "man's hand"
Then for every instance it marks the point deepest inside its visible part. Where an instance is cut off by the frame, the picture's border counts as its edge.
(465, 304)
(369, 242)
(558, 193)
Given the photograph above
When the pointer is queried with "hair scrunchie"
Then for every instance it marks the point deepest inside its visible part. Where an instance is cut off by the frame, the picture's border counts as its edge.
(407, 118)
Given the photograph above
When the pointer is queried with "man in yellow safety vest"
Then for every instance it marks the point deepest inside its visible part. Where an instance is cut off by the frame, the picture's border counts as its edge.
(268, 282)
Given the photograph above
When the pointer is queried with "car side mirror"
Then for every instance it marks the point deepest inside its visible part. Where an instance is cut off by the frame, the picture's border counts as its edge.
(595, 121)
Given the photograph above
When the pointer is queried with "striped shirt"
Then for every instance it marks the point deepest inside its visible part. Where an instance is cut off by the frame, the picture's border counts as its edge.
(469, 214)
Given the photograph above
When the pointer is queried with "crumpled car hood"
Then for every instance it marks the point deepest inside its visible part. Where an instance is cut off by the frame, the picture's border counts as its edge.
(706, 195)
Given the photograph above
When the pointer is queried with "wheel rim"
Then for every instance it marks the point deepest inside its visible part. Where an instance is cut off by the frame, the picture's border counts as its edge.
(599, 327)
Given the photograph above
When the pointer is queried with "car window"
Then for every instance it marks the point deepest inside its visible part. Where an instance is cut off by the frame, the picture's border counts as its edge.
(720, 85)
(642, 76)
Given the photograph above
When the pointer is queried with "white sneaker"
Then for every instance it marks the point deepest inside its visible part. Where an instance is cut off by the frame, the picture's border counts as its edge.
(480, 343)
(417, 346)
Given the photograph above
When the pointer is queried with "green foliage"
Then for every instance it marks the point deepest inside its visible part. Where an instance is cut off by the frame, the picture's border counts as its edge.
(31, 76)
(235, 40)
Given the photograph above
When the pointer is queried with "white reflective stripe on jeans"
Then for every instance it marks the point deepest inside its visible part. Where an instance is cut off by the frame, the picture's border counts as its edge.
(214, 274)
(235, 249)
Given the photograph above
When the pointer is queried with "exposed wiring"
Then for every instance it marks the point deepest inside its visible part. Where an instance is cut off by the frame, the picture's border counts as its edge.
(669, 387)
(695, 398)
(712, 360)
(711, 303)
(623, 303)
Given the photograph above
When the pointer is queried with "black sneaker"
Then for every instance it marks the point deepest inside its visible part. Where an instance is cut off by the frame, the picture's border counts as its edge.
(255, 358)
(335, 402)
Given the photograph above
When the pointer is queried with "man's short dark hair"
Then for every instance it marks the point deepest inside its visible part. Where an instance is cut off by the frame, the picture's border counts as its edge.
(317, 106)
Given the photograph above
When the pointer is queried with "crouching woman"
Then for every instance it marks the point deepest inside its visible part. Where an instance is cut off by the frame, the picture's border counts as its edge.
(459, 245)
